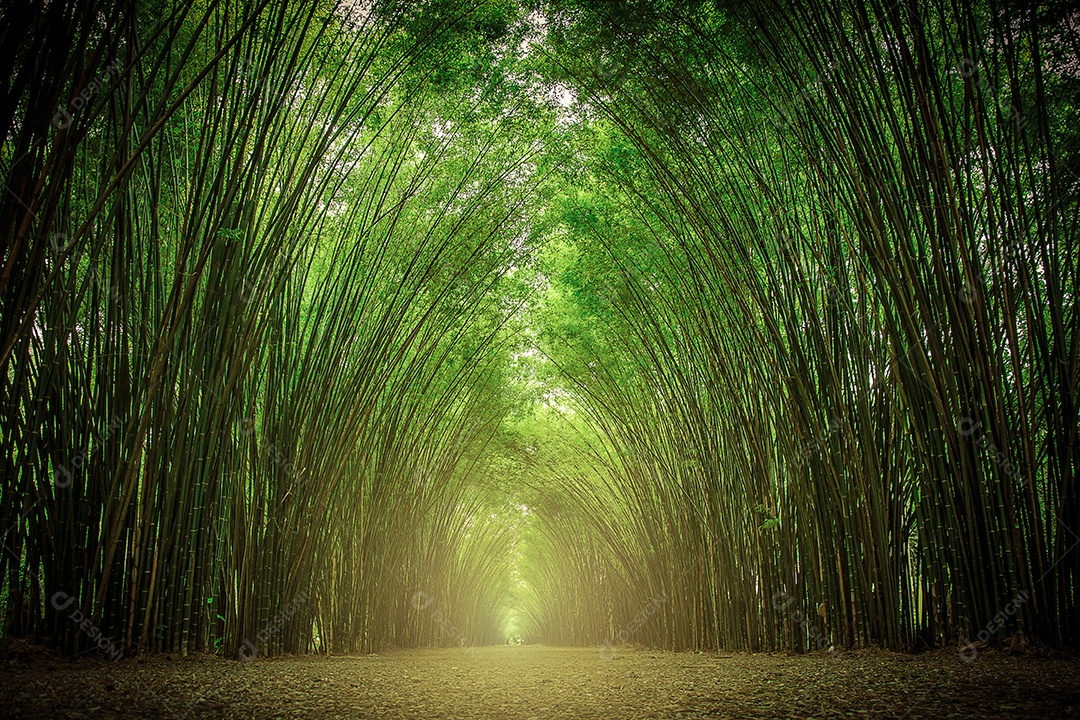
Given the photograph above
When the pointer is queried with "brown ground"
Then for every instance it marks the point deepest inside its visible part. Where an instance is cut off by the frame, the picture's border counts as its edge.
(544, 682)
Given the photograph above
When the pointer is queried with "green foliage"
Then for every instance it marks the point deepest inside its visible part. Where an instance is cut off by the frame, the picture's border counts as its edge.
(321, 318)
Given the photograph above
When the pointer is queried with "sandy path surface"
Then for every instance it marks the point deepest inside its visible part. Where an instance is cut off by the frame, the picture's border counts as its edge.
(544, 682)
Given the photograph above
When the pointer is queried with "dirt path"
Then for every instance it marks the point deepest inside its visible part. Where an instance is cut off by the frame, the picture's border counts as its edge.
(543, 682)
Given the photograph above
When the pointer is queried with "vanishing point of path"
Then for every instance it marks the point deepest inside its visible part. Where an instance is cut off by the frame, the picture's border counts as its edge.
(544, 682)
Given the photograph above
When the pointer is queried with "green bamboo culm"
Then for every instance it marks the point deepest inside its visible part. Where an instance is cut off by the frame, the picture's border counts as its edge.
(259, 284)
(818, 302)
(334, 326)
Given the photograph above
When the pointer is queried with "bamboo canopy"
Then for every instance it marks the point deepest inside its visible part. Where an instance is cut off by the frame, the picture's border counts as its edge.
(333, 326)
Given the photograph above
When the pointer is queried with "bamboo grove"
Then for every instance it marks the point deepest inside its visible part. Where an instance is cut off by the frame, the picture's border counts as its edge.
(839, 328)
(256, 303)
(332, 326)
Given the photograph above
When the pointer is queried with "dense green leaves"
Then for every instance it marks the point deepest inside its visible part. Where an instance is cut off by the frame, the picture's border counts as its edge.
(328, 326)
(813, 227)
(267, 350)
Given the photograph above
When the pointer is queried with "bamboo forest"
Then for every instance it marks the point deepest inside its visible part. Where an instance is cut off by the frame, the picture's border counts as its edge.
(539, 358)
